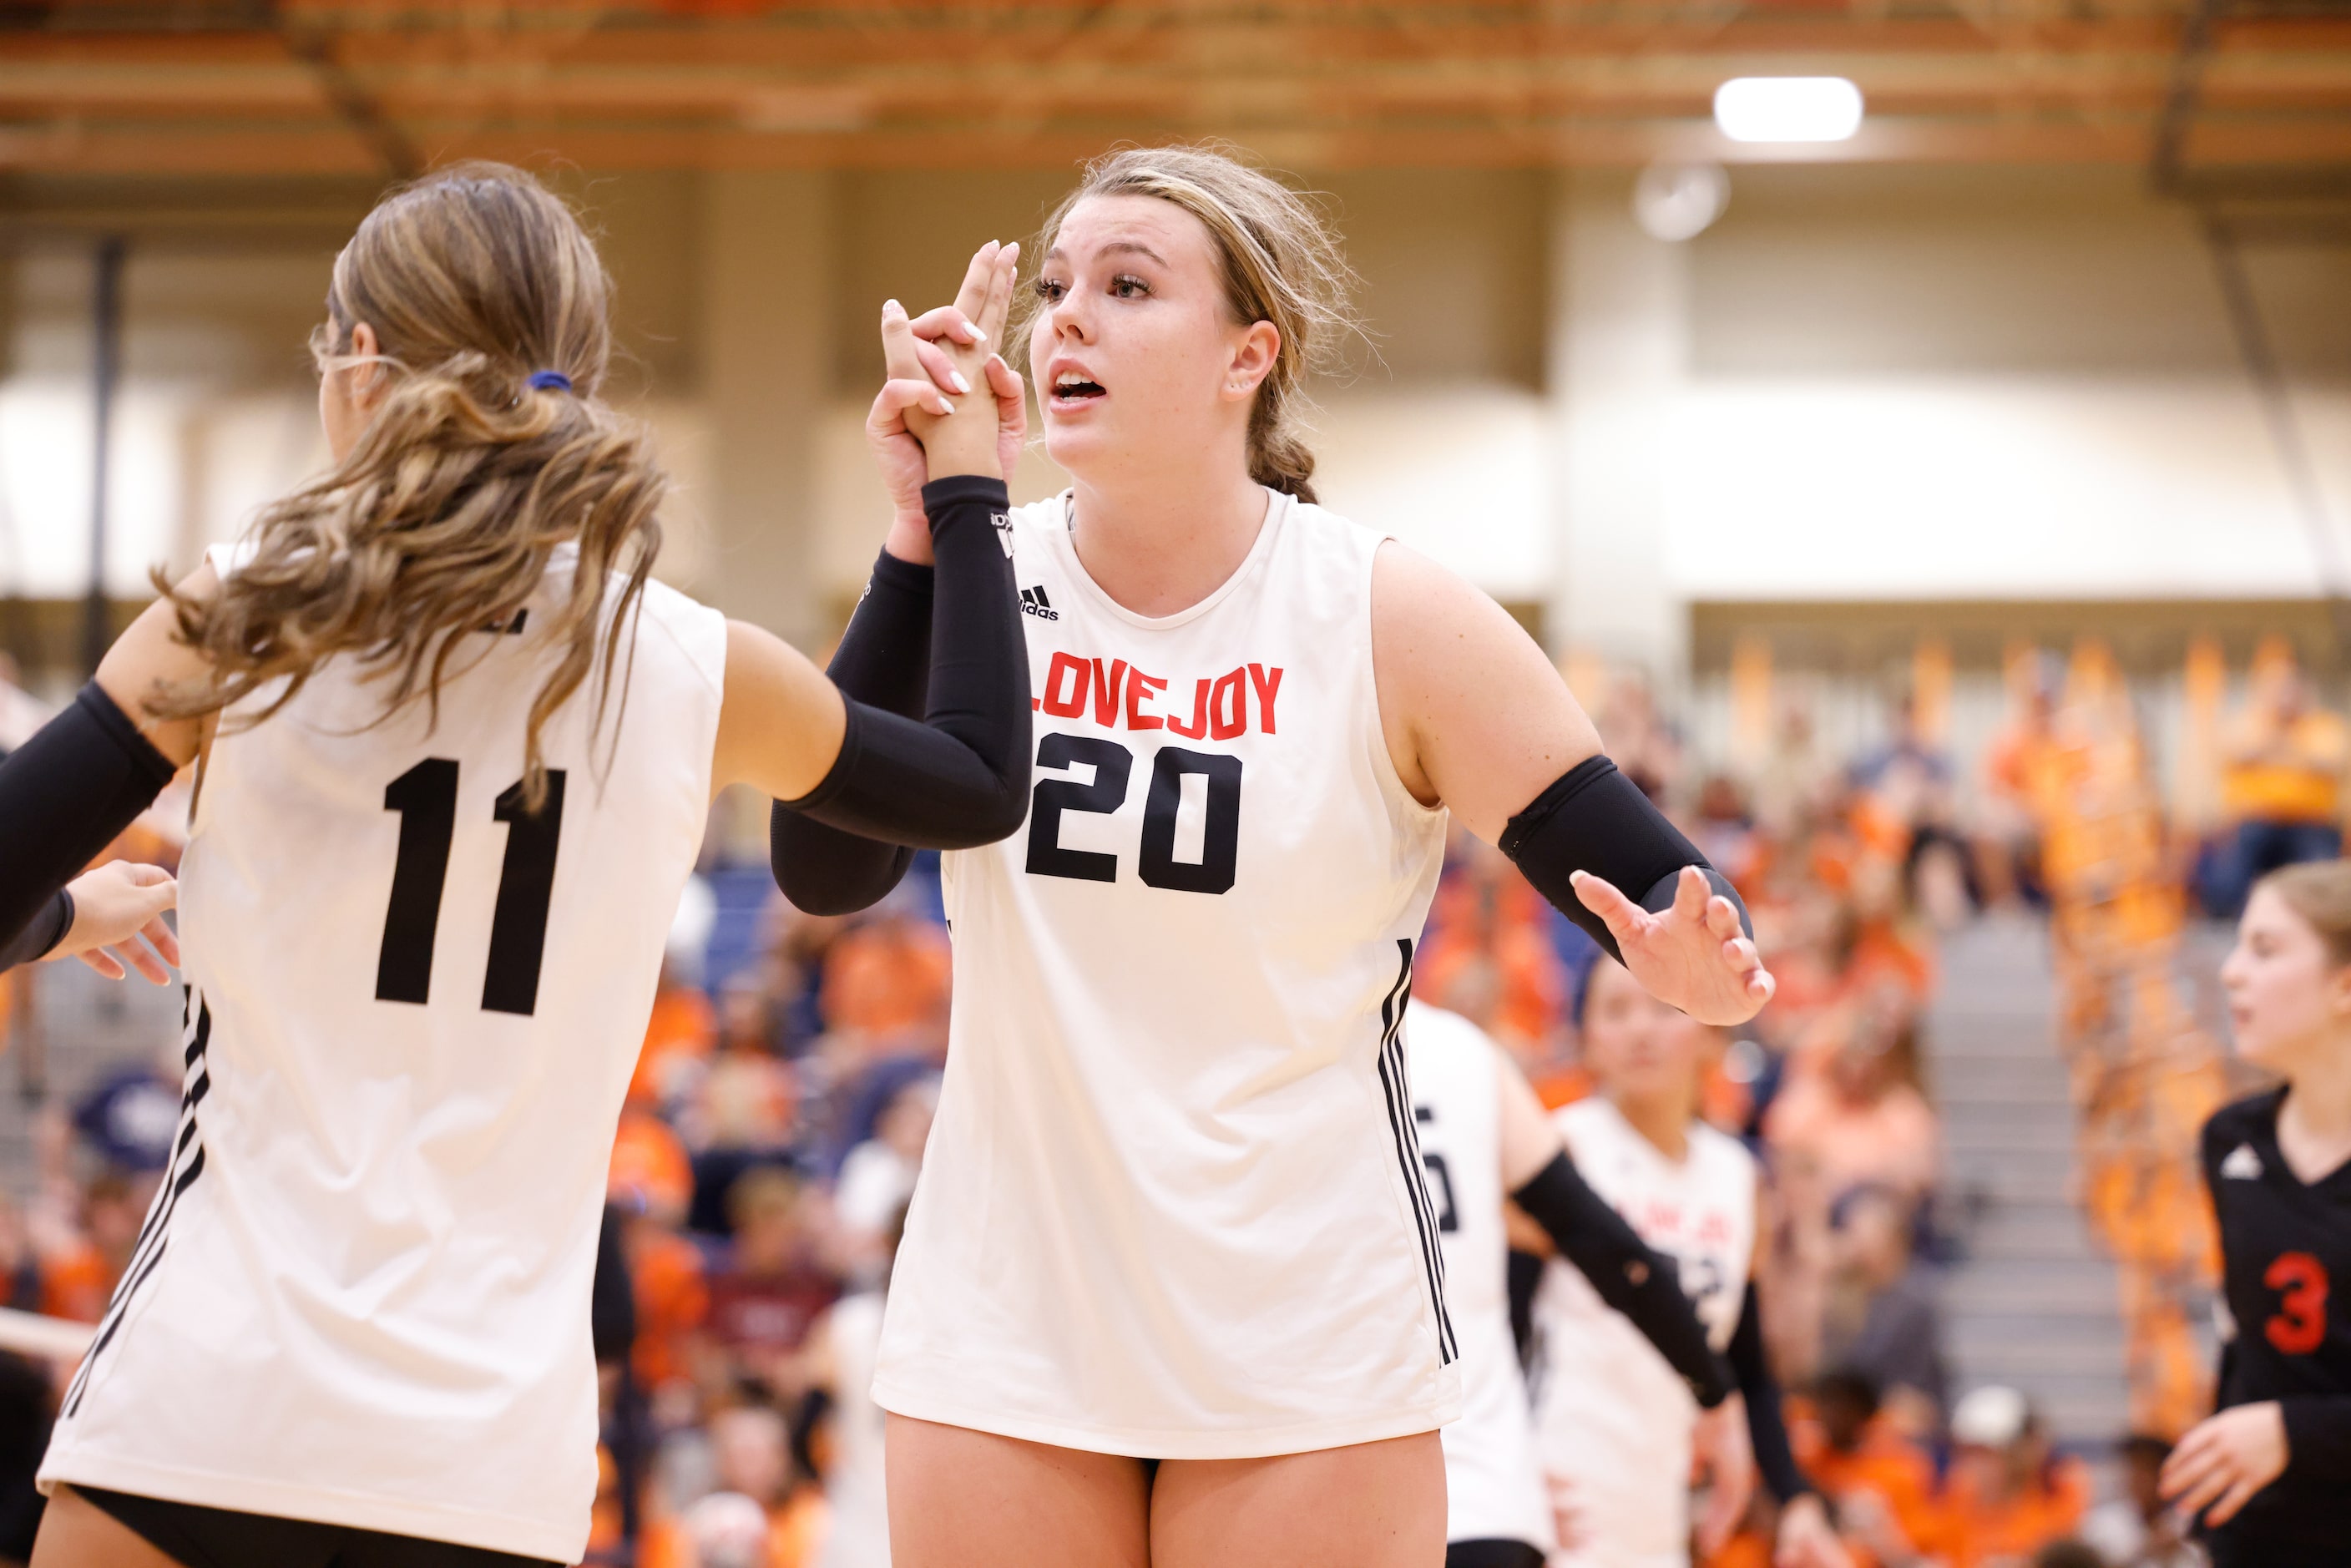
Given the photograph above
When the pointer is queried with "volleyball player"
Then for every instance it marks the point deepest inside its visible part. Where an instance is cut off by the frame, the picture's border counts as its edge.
(1614, 1423)
(2269, 1472)
(1483, 1134)
(456, 755)
(1170, 1290)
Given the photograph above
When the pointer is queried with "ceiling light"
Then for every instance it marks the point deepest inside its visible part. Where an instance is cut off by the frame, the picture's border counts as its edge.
(1788, 109)
(1676, 202)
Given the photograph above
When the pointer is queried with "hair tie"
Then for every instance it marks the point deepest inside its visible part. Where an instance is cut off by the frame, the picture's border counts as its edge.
(548, 381)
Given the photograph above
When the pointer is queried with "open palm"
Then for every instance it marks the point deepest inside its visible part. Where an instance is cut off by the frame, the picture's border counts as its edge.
(1692, 955)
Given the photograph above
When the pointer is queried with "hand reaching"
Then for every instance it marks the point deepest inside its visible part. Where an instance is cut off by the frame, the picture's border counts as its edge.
(115, 906)
(1722, 1448)
(1806, 1538)
(1693, 957)
(932, 361)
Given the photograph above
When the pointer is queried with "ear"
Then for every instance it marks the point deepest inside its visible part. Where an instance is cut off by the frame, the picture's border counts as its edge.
(368, 382)
(2338, 990)
(1254, 353)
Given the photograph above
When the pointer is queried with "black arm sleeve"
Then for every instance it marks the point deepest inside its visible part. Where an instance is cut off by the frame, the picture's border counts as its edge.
(64, 795)
(2318, 1437)
(960, 778)
(883, 660)
(1636, 1281)
(46, 929)
(1594, 819)
(1767, 1431)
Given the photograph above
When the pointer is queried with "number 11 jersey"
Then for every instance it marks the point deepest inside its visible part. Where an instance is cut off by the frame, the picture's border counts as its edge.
(1173, 1204)
(361, 1296)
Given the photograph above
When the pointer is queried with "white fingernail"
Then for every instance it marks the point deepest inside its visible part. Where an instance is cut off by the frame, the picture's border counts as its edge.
(945, 406)
(961, 385)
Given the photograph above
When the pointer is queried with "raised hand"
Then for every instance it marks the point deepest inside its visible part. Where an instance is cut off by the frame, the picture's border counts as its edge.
(934, 364)
(1693, 957)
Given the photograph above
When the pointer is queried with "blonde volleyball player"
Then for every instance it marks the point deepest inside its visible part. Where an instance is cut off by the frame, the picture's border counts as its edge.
(457, 753)
(1483, 1134)
(1170, 1290)
(1614, 1424)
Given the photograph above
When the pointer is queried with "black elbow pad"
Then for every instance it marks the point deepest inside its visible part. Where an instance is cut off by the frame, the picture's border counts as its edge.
(64, 795)
(1595, 819)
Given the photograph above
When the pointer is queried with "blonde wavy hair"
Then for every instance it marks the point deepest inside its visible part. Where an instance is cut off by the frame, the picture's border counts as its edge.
(1281, 263)
(440, 520)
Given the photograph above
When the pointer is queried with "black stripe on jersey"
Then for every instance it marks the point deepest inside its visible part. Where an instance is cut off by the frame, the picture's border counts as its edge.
(187, 1164)
(1407, 1141)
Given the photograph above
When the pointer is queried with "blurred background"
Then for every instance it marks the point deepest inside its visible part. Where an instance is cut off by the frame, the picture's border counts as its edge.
(1935, 475)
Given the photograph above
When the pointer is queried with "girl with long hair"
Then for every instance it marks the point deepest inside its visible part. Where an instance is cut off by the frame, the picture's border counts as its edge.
(2268, 1470)
(1170, 1290)
(456, 752)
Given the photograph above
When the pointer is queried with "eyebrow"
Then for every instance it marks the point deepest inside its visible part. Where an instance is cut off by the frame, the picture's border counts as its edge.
(1115, 247)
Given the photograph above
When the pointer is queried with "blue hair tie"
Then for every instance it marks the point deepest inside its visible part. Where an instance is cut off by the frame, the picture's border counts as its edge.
(548, 381)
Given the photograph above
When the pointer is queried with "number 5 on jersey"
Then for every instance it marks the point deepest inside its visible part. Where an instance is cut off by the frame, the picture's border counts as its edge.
(426, 799)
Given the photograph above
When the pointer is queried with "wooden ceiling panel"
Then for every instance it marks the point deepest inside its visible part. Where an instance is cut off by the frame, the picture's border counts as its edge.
(317, 85)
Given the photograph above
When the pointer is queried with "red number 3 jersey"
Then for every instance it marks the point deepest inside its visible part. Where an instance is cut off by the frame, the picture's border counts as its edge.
(2286, 1249)
(1173, 1204)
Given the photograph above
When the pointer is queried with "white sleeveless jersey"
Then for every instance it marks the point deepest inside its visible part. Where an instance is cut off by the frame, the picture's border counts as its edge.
(1614, 1419)
(1493, 1487)
(1172, 1205)
(362, 1294)
(857, 1527)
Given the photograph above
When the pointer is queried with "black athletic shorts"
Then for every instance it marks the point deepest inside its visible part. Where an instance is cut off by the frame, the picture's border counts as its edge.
(1491, 1554)
(203, 1537)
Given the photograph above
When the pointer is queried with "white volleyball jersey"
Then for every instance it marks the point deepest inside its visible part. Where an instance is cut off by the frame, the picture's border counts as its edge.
(857, 1527)
(362, 1294)
(1493, 1487)
(1613, 1420)
(1173, 1205)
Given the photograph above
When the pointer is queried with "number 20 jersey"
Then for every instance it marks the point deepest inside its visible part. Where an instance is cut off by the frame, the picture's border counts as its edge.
(1173, 1204)
(362, 1294)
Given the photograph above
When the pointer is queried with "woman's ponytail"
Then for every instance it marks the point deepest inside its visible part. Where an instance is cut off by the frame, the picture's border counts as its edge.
(489, 449)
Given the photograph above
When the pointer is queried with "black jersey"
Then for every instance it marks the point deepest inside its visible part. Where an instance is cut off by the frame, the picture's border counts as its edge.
(2286, 1256)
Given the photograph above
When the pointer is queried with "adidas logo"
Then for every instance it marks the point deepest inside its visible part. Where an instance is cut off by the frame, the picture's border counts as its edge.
(1003, 531)
(1034, 602)
(2243, 1163)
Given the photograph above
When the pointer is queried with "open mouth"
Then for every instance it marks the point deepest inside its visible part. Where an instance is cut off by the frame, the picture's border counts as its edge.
(1070, 387)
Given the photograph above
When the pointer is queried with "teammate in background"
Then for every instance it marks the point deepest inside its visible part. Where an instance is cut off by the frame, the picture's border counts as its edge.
(840, 1361)
(1170, 1290)
(457, 753)
(1483, 1134)
(2270, 1471)
(1614, 1424)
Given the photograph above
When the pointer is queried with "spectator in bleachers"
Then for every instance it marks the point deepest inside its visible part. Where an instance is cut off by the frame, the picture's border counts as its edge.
(1862, 1119)
(1883, 1319)
(678, 1036)
(651, 1185)
(2007, 1495)
(878, 1176)
(885, 977)
(2281, 784)
(2138, 1529)
(774, 1281)
(752, 1463)
(1880, 1482)
(2016, 772)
